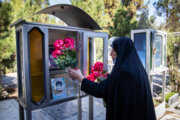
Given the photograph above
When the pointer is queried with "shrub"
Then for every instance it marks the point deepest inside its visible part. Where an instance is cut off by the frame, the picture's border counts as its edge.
(169, 95)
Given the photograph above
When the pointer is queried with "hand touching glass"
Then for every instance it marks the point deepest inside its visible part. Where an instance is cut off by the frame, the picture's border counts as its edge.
(75, 74)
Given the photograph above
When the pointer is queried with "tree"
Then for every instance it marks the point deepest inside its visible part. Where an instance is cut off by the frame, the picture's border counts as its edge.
(95, 8)
(170, 10)
(173, 50)
(145, 22)
(133, 5)
(7, 48)
(123, 22)
(109, 11)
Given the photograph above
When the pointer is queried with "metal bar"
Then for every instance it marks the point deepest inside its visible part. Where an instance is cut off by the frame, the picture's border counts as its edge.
(26, 71)
(28, 114)
(46, 65)
(91, 62)
(90, 107)
(148, 51)
(105, 52)
(151, 83)
(79, 104)
(163, 85)
(21, 112)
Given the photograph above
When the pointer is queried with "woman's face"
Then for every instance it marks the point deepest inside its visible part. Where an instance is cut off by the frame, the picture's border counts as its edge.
(113, 54)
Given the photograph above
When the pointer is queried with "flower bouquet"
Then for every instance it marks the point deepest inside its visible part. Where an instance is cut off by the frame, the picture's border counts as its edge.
(97, 72)
(64, 53)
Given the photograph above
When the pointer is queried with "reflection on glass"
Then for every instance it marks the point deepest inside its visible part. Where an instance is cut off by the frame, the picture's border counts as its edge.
(158, 54)
(157, 89)
(98, 52)
(36, 62)
(69, 87)
(140, 45)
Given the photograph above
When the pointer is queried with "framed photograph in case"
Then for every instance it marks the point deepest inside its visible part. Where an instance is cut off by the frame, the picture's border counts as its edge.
(58, 87)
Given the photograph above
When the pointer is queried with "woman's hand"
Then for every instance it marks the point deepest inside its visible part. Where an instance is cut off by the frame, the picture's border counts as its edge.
(75, 74)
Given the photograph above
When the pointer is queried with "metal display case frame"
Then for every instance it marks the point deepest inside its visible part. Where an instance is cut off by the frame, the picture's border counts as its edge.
(150, 62)
(84, 31)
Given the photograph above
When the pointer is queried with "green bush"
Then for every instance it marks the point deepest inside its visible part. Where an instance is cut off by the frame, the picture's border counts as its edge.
(169, 95)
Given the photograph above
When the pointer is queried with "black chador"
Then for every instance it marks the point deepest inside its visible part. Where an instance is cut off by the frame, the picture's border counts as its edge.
(126, 90)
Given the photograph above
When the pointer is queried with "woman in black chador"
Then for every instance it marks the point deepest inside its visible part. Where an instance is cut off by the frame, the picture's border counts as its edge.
(126, 90)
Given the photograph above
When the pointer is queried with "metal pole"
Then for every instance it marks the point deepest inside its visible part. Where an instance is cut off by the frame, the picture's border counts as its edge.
(28, 114)
(151, 83)
(90, 107)
(79, 104)
(163, 85)
(21, 112)
(91, 57)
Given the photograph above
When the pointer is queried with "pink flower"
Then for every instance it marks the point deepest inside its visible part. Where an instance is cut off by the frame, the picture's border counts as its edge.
(98, 66)
(61, 42)
(91, 77)
(69, 42)
(56, 53)
(96, 74)
(58, 44)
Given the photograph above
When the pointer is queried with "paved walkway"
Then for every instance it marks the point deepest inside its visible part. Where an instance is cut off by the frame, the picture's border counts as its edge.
(64, 111)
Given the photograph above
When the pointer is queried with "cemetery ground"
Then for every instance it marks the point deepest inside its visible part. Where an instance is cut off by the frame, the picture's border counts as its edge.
(68, 110)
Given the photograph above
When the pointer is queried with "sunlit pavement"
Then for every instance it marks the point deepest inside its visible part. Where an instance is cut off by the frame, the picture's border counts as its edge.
(64, 111)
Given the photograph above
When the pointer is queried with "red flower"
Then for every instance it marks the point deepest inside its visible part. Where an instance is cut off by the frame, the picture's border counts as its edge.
(69, 42)
(98, 66)
(56, 52)
(96, 74)
(97, 71)
(58, 44)
(91, 77)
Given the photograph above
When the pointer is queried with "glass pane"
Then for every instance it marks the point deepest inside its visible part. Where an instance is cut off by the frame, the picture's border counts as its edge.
(95, 52)
(36, 62)
(140, 45)
(98, 46)
(62, 86)
(158, 55)
(165, 54)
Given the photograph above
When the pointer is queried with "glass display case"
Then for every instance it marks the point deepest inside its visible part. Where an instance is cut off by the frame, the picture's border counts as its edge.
(151, 46)
(46, 52)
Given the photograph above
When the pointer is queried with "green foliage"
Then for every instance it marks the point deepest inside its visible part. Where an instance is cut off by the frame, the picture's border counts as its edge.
(145, 22)
(123, 22)
(169, 95)
(7, 44)
(99, 49)
(95, 8)
(133, 5)
(169, 9)
(68, 59)
(173, 50)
